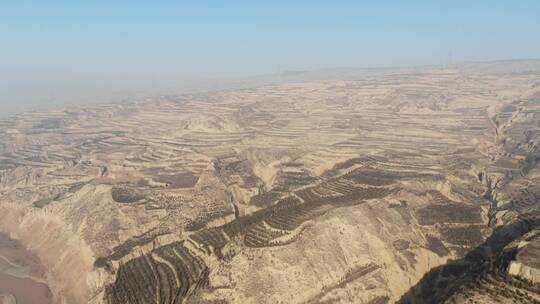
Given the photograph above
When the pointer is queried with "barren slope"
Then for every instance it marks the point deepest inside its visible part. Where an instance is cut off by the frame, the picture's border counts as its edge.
(337, 191)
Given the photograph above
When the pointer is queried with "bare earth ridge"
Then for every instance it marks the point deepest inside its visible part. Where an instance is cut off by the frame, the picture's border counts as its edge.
(416, 186)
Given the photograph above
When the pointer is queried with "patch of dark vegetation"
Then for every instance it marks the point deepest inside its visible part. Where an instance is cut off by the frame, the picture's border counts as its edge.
(128, 246)
(287, 180)
(372, 177)
(279, 218)
(76, 187)
(291, 218)
(211, 240)
(401, 244)
(284, 216)
(286, 202)
(293, 164)
(411, 258)
(525, 199)
(45, 201)
(259, 236)
(379, 300)
(230, 170)
(264, 199)
(126, 195)
(344, 165)
(250, 181)
(464, 236)
(351, 162)
(449, 213)
(435, 245)
(209, 215)
(169, 274)
(178, 180)
(195, 225)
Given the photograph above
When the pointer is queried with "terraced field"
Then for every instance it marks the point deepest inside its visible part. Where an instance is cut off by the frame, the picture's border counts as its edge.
(165, 275)
(371, 188)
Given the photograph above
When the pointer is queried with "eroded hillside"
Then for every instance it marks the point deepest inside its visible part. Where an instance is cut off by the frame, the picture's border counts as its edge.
(340, 191)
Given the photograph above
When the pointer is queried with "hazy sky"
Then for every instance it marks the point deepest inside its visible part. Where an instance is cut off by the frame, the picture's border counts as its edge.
(73, 51)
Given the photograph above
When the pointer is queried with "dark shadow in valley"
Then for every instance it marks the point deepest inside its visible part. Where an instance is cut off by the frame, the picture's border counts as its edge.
(439, 284)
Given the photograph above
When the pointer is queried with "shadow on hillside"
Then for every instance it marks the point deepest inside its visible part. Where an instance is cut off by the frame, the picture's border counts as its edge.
(442, 282)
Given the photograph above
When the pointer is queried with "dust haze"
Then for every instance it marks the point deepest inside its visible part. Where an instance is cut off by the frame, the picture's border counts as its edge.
(269, 153)
(357, 186)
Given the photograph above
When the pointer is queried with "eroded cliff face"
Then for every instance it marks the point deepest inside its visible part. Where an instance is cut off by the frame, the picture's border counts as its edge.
(503, 268)
(526, 262)
(67, 259)
(321, 192)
